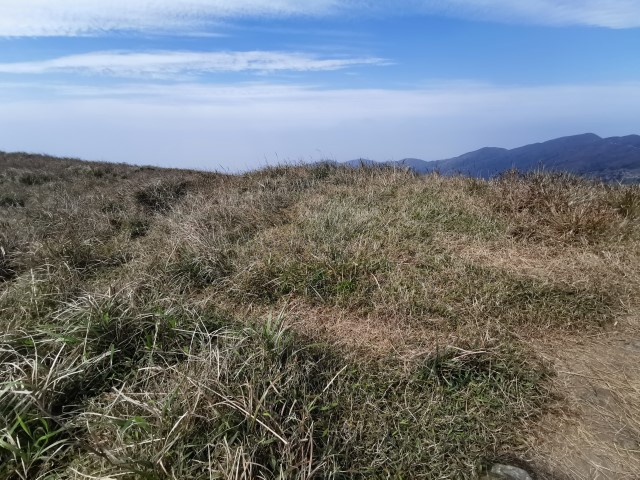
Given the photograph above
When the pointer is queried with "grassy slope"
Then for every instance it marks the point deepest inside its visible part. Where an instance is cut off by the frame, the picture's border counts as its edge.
(297, 322)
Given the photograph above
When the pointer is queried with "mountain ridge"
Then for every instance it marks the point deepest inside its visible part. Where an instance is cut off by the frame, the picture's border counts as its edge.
(609, 159)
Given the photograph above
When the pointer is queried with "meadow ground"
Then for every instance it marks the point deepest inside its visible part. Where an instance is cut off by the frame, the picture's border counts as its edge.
(315, 322)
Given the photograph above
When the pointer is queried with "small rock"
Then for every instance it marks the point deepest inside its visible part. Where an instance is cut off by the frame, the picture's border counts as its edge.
(506, 472)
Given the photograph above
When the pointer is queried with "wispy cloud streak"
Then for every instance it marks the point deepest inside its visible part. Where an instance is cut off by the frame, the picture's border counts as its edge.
(170, 64)
(598, 13)
(94, 17)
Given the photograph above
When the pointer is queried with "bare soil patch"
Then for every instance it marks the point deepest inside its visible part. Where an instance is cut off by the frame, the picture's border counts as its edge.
(596, 434)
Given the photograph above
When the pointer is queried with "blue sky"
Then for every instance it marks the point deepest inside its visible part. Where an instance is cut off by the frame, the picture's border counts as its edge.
(237, 84)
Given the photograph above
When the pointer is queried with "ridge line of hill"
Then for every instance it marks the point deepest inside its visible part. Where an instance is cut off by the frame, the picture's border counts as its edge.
(612, 159)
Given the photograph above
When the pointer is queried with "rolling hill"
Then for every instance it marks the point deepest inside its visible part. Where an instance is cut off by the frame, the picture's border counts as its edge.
(612, 159)
(315, 321)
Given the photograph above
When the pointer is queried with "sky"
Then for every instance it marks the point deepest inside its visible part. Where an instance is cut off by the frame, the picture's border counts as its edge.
(236, 85)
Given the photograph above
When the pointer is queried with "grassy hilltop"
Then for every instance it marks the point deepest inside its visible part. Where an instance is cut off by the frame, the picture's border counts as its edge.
(296, 322)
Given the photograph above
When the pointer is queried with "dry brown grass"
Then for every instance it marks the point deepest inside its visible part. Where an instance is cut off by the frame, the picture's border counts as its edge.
(415, 299)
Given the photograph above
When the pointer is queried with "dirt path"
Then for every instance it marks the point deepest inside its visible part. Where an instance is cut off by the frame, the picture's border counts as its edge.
(598, 436)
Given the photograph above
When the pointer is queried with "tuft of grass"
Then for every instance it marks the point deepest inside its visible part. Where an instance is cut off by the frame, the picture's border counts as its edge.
(467, 294)
(7, 271)
(198, 269)
(627, 202)
(161, 196)
(325, 279)
(34, 178)
(558, 207)
(11, 200)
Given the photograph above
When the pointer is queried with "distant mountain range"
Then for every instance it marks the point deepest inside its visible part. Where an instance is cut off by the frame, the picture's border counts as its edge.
(611, 159)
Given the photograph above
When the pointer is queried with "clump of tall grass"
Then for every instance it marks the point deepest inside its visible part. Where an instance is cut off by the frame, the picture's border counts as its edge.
(560, 207)
(160, 196)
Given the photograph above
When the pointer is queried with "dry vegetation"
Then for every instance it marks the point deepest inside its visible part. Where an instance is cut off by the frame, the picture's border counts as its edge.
(295, 322)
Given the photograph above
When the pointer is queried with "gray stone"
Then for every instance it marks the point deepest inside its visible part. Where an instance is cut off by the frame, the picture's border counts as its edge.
(506, 472)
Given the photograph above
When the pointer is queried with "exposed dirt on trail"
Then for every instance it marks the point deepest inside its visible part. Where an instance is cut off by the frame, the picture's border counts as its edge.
(597, 435)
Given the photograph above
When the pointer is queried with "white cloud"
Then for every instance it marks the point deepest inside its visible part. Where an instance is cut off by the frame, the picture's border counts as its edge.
(600, 13)
(82, 17)
(242, 126)
(170, 63)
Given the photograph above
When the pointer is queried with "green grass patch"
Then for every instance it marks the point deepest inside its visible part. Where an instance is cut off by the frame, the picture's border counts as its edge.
(443, 287)
(330, 278)
(263, 401)
(432, 212)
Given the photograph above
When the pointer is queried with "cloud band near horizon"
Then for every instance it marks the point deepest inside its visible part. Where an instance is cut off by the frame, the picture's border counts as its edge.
(240, 126)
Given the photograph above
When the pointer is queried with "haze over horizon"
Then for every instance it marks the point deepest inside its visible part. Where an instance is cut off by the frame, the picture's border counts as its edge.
(235, 85)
